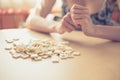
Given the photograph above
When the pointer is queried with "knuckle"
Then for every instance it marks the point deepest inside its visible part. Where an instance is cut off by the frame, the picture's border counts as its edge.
(73, 16)
(65, 18)
(63, 24)
(73, 6)
(73, 10)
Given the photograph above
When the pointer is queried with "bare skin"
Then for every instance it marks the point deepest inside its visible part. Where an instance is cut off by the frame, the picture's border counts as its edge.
(36, 20)
(79, 17)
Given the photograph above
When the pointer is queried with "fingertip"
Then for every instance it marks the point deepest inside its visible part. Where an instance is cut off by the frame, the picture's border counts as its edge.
(68, 15)
(75, 4)
(61, 32)
(78, 6)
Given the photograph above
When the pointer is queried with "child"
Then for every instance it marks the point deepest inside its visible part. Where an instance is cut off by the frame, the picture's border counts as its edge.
(37, 18)
(88, 15)
(97, 24)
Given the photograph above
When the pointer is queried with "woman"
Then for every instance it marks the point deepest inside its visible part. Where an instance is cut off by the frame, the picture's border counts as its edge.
(96, 24)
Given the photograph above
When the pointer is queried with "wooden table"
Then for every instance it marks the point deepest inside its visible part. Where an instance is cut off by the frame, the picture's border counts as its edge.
(99, 60)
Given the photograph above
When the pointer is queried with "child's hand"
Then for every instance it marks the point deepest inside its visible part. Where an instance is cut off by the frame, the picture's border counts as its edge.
(80, 16)
(67, 23)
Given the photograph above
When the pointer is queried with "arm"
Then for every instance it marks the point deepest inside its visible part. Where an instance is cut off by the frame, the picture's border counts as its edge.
(106, 32)
(36, 20)
(81, 16)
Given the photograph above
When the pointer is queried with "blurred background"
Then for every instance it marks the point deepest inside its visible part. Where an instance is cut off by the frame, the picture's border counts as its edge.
(13, 13)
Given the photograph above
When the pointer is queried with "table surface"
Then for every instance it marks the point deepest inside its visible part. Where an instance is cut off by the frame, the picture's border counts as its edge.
(99, 60)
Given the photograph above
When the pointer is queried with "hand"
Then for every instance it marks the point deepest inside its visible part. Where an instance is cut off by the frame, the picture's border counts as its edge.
(67, 24)
(58, 28)
(80, 16)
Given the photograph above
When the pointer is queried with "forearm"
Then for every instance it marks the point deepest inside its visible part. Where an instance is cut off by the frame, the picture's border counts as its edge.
(107, 32)
(38, 23)
(36, 20)
(46, 7)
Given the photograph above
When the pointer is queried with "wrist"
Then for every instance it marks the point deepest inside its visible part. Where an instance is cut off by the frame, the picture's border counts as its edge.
(90, 31)
(58, 28)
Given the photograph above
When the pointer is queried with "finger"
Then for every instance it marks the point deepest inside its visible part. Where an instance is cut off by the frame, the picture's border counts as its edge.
(72, 23)
(61, 30)
(67, 27)
(79, 16)
(77, 6)
(68, 21)
(80, 22)
(78, 11)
